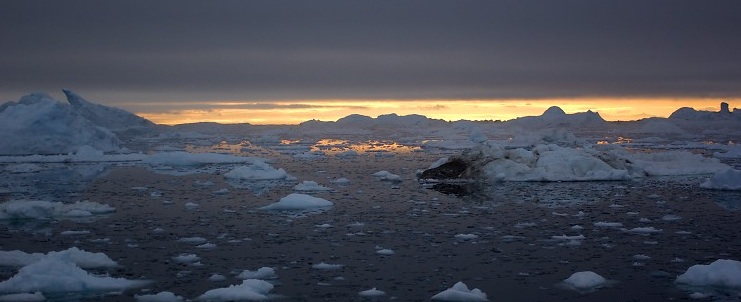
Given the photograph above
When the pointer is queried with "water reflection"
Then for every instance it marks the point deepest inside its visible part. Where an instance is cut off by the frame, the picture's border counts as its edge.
(336, 146)
(62, 182)
(548, 194)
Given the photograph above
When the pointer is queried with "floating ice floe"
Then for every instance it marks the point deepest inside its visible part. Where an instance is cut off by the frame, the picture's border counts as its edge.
(310, 186)
(75, 255)
(387, 176)
(341, 181)
(466, 236)
(193, 240)
(460, 293)
(586, 281)
(262, 273)
(385, 252)
(257, 171)
(551, 162)
(250, 289)
(373, 292)
(24, 297)
(729, 179)
(186, 258)
(327, 266)
(58, 273)
(159, 297)
(39, 209)
(297, 201)
(721, 274)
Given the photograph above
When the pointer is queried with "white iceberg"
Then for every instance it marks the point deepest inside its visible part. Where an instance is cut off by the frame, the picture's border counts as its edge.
(38, 124)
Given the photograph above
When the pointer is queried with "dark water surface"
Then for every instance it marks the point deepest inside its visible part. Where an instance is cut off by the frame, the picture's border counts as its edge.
(513, 258)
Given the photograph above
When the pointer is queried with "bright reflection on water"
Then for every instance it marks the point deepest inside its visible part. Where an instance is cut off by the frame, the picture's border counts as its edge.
(333, 146)
(326, 146)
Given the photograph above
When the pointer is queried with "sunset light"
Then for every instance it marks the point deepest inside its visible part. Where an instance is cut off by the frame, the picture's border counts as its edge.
(295, 112)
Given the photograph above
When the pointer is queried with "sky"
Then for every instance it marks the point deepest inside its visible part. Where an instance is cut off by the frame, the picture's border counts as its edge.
(288, 61)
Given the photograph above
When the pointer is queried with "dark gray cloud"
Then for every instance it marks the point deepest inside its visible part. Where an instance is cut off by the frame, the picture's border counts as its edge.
(270, 50)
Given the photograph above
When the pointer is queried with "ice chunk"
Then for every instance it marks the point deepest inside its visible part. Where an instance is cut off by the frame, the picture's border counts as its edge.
(23, 297)
(298, 201)
(55, 274)
(257, 171)
(387, 176)
(75, 255)
(261, 273)
(373, 292)
(729, 179)
(308, 185)
(327, 266)
(460, 292)
(584, 281)
(159, 297)
(722, 273)
(250, 289)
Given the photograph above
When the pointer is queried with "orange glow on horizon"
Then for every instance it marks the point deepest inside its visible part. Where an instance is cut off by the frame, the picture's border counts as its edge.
(295, 112)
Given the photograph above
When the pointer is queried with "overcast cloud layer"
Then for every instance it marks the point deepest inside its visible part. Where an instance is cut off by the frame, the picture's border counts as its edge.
(250, 50)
